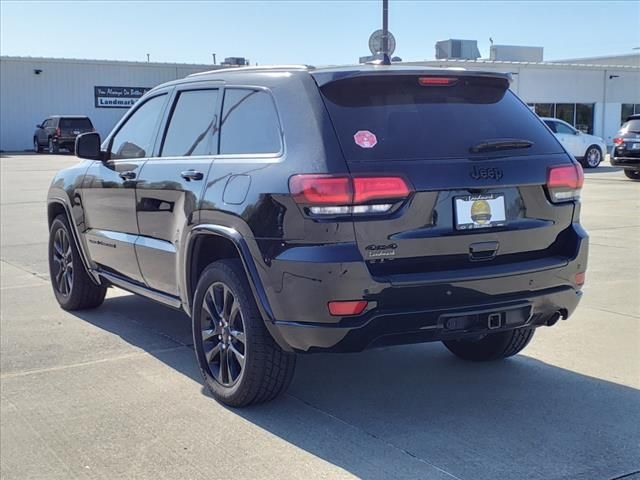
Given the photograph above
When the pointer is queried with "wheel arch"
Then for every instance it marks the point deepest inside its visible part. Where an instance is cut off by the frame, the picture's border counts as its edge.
(208, 243)
(56, 207)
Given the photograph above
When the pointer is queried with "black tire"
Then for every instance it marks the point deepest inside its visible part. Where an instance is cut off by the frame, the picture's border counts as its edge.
(52, 147)
(592, 157)
(72, 286)
(266, 370)
(493, 346)
(36, 145)
(633, 174)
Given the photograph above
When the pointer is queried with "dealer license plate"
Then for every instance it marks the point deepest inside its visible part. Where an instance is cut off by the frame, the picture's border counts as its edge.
(479, 211)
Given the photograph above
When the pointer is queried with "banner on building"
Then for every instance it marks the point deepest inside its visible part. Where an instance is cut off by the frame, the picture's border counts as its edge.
(117, 97)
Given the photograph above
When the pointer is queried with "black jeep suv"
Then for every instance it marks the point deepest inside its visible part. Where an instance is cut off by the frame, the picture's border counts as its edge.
(60, 131)
(293, 209)
(626, 147)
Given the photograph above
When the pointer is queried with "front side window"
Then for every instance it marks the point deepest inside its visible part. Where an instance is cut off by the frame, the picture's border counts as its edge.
(135, 138)
(249, 123)
(192, 128)
(562, 128)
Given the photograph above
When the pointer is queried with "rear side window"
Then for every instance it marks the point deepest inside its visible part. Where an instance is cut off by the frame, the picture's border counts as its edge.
(249, 123)
(397, 118)
(193, 125)
(631, 126)
(136, 137)
(75, 124)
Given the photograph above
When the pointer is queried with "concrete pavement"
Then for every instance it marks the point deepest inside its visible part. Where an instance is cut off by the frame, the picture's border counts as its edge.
(115, 392)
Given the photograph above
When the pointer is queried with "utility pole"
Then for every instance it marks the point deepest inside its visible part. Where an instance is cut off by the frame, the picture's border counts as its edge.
(148, 55)
(214, 58)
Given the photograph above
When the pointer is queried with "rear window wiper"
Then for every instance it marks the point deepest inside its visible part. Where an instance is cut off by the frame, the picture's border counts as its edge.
(500, 144)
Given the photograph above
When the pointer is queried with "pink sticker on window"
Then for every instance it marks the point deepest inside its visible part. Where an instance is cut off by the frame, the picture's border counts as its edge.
(365, 139)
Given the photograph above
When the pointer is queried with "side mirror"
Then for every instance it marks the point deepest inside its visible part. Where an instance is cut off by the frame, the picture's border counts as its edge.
(88, 146)
(39, 125)
(578, 132)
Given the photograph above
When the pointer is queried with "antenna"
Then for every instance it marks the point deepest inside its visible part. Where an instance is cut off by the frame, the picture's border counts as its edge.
(385, 33)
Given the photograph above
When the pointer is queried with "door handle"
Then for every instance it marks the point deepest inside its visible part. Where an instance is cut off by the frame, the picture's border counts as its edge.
(128, 175)
(189, 175)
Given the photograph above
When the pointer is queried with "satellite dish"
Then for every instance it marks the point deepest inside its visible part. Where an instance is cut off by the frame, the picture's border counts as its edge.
(375, 43)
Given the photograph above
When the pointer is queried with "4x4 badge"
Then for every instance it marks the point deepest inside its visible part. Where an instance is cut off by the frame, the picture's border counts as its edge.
(484, 173)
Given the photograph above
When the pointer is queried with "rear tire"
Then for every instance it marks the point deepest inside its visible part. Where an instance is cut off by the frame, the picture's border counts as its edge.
(633, 174)
(240, 362)
(73, 287)
(493, 346)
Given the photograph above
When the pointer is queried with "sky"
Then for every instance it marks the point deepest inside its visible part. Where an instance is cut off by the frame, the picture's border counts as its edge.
(305, 31)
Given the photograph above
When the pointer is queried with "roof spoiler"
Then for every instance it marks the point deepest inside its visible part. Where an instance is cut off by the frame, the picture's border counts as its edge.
(325, 77)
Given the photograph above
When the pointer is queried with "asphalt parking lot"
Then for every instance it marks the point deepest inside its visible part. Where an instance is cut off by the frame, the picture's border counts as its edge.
(115, 392)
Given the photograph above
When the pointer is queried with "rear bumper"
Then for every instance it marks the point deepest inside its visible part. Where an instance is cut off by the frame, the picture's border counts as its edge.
(626, 162)
(393, 327)
(412, 308)
(65, 140)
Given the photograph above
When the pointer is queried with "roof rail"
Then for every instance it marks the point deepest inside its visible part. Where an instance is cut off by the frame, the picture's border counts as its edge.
(255, 68)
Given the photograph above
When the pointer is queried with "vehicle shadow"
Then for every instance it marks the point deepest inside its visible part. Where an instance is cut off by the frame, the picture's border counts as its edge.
(418, 412)
(601, 169)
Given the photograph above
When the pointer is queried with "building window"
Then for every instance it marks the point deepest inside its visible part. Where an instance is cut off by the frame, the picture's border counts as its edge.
(580, 115)
(566, 112)
(628, 109)
(584, 117)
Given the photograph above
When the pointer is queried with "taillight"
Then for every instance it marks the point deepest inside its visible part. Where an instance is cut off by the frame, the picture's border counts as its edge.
(345, 195)
(366, 189)
(58, 131)
(437, 81)
(325, 189)
(618, 141)
(564, 183)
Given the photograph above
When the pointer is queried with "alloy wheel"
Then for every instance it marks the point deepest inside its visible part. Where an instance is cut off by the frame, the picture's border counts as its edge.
(593, 157)
(62, 262)
(223, 334)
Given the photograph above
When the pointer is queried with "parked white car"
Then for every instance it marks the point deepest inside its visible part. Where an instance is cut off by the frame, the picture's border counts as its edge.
(589, 150)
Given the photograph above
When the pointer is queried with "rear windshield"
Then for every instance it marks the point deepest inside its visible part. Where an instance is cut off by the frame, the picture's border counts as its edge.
(396, 118)
(77, 123)
(631, 126)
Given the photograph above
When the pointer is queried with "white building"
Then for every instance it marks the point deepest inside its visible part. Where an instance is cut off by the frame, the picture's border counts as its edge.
(593, 94)
(33, 88)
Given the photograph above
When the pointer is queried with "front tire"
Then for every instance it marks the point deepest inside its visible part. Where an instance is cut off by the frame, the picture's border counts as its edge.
(592, 157)
(72, 286)
(240, 362)
(633, 174)
(493, 346)
(36, 145)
